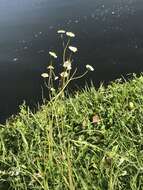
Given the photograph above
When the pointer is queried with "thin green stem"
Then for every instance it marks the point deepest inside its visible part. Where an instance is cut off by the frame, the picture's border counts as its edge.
(65, 49)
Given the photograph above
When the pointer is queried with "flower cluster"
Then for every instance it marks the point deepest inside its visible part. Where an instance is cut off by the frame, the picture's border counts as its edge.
(65, 76)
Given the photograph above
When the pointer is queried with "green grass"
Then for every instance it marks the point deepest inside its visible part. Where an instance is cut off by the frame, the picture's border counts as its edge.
(60, 147)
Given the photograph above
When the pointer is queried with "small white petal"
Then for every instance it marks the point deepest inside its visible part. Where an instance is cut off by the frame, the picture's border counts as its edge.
(70, 34)
(56, 77)
(64, 74)
(53, 54)
(89, 67)
(50, 67)
(73, 49)
(45, 75)
(67, 65)
(61, 31)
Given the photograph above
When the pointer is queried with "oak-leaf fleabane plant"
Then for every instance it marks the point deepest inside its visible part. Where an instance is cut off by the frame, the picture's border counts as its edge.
(66, 75)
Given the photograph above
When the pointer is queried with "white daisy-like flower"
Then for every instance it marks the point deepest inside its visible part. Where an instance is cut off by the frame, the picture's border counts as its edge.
(67, 64)
(53, 54)
(70, 34)
(73, 49)
(64, 74)
(56, 78)
(45, 75)
(61, 31)
(50, 67)
(89, 67)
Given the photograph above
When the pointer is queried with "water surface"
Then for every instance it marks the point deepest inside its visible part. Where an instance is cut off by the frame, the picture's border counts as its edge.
(109, 37)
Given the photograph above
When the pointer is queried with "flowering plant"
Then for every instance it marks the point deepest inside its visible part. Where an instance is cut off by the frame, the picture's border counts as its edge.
(66, 75)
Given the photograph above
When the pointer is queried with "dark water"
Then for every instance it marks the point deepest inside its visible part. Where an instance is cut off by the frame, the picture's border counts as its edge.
(109, 37)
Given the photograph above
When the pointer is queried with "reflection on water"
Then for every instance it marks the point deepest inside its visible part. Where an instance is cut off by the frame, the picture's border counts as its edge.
(109, 37)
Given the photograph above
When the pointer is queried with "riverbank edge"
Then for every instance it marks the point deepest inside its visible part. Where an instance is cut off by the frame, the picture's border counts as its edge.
(91, 140)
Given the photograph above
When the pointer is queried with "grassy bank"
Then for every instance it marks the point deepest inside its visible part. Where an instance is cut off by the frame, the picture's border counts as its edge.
(93, 140)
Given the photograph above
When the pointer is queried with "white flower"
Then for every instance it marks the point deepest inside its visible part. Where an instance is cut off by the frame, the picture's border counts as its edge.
(53, 54)
(61, 31)
(67, 65)
(89, 67)
(70, 34)
(50, 67)
(73, 49)
(56, 77)
(64, 74)
(45, 75)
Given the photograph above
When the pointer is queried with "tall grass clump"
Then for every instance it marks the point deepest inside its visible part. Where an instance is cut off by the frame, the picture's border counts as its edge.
(91, 140)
